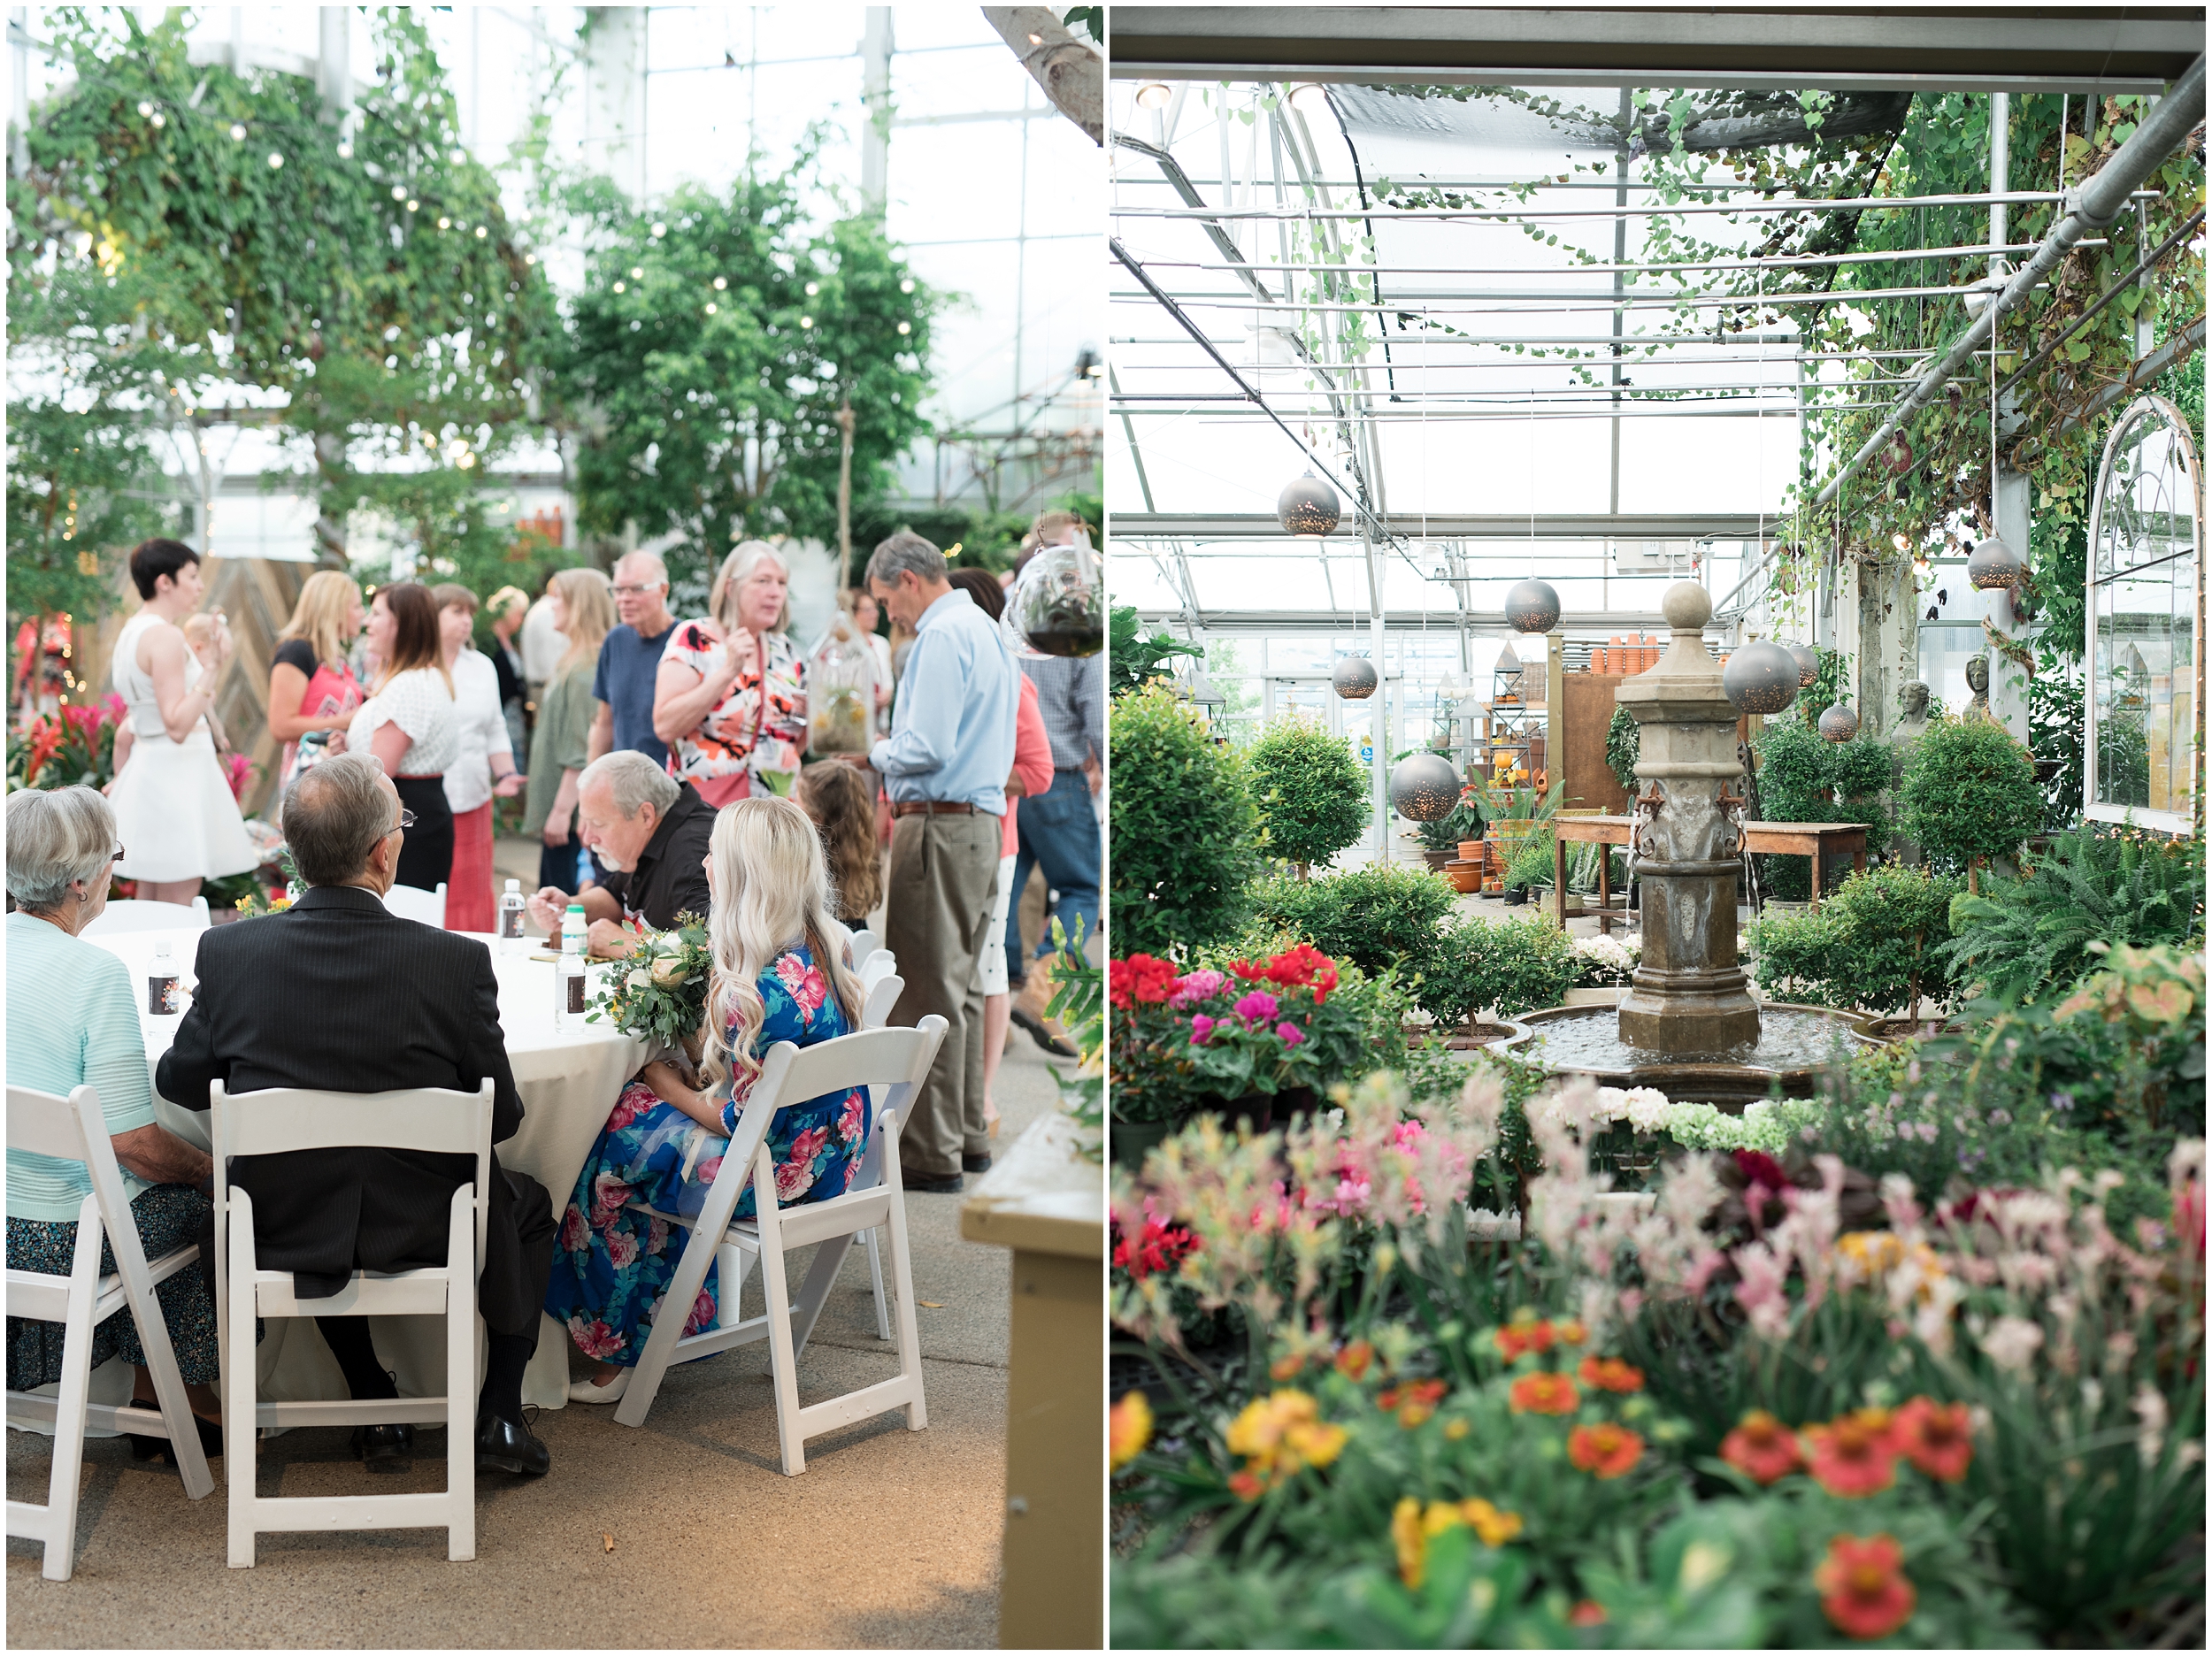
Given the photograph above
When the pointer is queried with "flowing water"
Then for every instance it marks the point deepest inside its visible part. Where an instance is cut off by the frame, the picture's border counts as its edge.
(1591, 1041)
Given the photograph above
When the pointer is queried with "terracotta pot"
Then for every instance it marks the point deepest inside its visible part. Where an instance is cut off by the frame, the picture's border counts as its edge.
(1465, 877)
(1438, 861)
(1471, 851)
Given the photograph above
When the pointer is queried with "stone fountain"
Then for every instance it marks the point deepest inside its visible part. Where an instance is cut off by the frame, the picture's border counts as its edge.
(1689, 1025)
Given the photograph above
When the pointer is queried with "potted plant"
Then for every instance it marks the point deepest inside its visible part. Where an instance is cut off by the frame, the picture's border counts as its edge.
(1448, 839)
(1310, 791)
(1155, 1081)
(1262, 1035)
(1968, 795)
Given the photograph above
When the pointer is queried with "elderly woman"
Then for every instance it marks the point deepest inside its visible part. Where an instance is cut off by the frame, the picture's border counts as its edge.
(731, 698)
(73, 1021)
(780, 974)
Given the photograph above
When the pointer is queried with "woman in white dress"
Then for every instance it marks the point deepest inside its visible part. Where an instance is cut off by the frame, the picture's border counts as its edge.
(410, 723)
(486, 767)
(178, 821)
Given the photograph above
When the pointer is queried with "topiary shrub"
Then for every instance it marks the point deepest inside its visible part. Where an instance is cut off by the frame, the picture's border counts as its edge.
(1878, 944)
(1968, 792)
(1801, 777)
(1515, 965)
(1184, 827)
(1311, 792)
(1376, 918)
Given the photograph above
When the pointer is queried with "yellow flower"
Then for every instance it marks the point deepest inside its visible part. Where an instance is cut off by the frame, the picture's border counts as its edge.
(1412, 1530)
(1282, 1434)
(1413, 1547)
(1494, 1527)
(1129, 1429)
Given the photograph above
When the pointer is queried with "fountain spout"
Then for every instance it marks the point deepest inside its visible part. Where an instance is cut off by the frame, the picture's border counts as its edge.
(1690, 994)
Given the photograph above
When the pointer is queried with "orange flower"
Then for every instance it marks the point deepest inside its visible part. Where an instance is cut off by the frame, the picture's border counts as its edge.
(1246, 1485)
(1416, 1400)
(1278, 1436)
(1610, 1373)
(1285, 1368)
(1129, 1429)
(1862, 1589)
(1543, 1394)
(1589, 1613)
(1762, 1448)
(1570, 1332)
(1934, 1436)
(1853, 1454)
(1525, 1333)
(1604, 1451)
(1354, 1359)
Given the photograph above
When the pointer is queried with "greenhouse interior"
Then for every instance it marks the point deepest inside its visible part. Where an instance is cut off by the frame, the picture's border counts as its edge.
(1657, 1008)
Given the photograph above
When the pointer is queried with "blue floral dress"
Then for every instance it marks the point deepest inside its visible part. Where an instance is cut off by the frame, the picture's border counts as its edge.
(612, 1266)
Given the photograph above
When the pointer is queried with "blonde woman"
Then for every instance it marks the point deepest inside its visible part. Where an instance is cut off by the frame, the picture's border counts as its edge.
(730, 699)
(779, 974)
(311, 685)
(583, 611)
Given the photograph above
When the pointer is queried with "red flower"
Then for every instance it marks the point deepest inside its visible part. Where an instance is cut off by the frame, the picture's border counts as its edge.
(1589, 1613)
(1861, 1588)
(1246, 1485)
(1761, 1169)
(1522, 1334)
(1934, 1436)
(1416, 1400)
(1610, 1373)
(1302, 967)
(1543, 1394)
(1354, 1359)
(1762, 1448)
(1158, 1248)
(1138, 977)
(1286, 1367)
(1854, 1455)
(1604, 1451)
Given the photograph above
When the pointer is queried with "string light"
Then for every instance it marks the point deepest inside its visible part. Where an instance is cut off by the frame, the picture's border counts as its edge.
(481, 232)
(905, 328)
(160, 119)
(806, 321)
(445, 223)
(907, 287)
(237, 133)
(709, 310)
(637, 273)
(399, 192)
(275, 160)
(721, 282)
(145, 109)
(413, 205)
(660, 230)
(812, 289)
(345, 151)
(622, 287)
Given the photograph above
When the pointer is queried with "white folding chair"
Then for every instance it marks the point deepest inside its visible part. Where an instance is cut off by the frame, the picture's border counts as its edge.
(74, 1130)
(895, 1060)
(411, 902)
(865, 943)
(877, 1014)
(877, 967)
(876, 1009)
(282, 1119)
(129, 914)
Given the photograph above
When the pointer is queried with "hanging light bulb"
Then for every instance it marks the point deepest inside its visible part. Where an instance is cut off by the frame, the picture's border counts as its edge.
(1355, 678)
(1154, 95)
(907, 287)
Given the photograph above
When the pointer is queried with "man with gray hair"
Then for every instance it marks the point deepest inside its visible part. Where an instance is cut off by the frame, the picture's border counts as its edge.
(945, 766)
(341, 995)
(630, 660)
(651, 832)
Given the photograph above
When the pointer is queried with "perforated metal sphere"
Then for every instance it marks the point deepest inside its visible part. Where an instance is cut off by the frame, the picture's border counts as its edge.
(1532, 606)
(1807, 660)
(1993, 564)
(1839, 723)
(1307, 506)
(1424, 787)
(1760, 677)
(1355, 677)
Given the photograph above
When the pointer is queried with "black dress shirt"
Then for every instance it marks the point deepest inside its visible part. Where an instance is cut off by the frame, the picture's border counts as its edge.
(671, 874)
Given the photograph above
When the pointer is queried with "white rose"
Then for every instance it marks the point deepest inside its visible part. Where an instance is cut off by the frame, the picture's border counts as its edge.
(638, 979)
(669, 971)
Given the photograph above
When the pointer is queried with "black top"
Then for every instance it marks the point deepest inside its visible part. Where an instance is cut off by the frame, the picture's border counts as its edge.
(671, 876)
(296, 652)
(511, 687)
(341, 994)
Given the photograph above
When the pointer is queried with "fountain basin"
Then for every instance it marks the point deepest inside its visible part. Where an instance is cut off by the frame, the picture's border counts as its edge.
(1795, 1044)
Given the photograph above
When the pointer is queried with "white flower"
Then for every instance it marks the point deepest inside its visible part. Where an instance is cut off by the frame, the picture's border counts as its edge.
(2150, 1408)
(1611, 1106)
(1647, 1109)
(638, 979)
(669, 971)
(2012, 1342)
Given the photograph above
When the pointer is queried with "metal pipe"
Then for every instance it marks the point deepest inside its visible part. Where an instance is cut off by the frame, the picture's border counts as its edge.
(2091, 205)
(2188, 229)
(1795, 203)
(1995, 249)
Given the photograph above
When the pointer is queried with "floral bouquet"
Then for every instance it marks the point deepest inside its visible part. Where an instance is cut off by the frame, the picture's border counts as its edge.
(662, 998)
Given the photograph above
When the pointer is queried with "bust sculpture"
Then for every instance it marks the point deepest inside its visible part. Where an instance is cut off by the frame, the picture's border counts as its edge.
(1912, 722)
(1977, 681)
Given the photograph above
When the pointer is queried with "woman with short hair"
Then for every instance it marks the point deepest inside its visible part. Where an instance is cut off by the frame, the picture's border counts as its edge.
(409, 723)
(311, 685)
(731, 698)
(485, 769)
(780, 974)
(72, 1021)
(582, 601)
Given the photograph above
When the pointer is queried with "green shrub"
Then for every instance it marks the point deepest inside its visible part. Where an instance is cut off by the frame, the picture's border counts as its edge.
(1311, 792)
(1184, 827)
(1378, 918)
(1876, 944)
(1515, 965)
(1968, 792)
(2021, 938)
(1802, 778)
(1624, 746)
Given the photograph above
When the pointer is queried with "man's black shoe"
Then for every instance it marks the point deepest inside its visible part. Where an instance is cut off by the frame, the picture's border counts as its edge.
(147, 1448)
(503, 1447)
(975, 1163)
(934, 1183)
(385, 1448)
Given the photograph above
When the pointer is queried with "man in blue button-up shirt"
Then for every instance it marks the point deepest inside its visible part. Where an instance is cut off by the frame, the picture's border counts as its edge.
(945, 766)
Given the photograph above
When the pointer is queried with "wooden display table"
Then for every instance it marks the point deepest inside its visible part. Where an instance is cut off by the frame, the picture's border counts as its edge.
(1046, 1202)
(1816, 840)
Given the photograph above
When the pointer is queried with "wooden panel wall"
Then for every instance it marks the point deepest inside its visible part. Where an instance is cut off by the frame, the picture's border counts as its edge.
(1588, 712)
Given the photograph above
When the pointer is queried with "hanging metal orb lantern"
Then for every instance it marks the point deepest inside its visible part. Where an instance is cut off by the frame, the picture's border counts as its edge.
(1807, 660)
(1355, 679)
(1307, 506)
(1760, 677)
(1993, 564)
(1839, 723)
(1532, 606)
(1424, 787)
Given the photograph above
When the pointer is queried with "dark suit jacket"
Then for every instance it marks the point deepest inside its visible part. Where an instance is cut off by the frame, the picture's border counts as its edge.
(341, 994)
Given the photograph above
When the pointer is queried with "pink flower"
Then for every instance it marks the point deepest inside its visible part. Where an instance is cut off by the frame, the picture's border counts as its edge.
(1256, 1007)
(1290, 1034)
(636, 1099)
(575, 1234)
(806, 984)
(608, 1195)
(1202, 1028)
(701, 1313)
(709, 1166)
(850, 1124)
(621, 1249)
(1193, 987)
(794, 1180)
(594, 1338)
(656, 1236)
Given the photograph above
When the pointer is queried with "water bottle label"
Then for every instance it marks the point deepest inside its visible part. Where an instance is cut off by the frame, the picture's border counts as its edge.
(575, 989)
(511, 923)
(164, 996)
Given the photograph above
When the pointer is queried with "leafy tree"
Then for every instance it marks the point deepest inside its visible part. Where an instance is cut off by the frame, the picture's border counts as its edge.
(1804, 778)
(1311, 794)
(1968, 792)
(1515, 965)
(713, 346)
(1184, 827)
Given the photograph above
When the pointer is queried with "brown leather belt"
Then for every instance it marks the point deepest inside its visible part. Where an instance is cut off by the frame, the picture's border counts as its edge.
(932, 808)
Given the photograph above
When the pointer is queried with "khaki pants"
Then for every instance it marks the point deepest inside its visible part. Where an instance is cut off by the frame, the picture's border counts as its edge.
(937, 920)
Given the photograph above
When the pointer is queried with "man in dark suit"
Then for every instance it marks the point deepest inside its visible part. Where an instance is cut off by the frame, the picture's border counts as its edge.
(341, 996)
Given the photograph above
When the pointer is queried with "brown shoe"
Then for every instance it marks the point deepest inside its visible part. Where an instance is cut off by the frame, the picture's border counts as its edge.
(1028, 1011)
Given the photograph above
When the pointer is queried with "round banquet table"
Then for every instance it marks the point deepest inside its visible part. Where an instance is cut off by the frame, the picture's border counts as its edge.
(568, 1079)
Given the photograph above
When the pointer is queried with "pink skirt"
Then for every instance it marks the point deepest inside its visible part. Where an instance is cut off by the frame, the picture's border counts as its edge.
(469, 903)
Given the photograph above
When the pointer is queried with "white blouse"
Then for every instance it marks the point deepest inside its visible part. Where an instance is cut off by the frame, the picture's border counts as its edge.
(483, 730)
(417, 701)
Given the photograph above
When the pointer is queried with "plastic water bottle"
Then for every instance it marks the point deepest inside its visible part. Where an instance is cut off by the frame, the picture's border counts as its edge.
(510, 908)
(164, 996)
(570, 984)
(575, 930)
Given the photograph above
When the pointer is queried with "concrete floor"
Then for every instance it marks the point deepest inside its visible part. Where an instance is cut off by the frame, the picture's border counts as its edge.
(890, 1538)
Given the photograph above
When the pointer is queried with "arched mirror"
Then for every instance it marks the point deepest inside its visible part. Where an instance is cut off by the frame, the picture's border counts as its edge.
(2146, 622)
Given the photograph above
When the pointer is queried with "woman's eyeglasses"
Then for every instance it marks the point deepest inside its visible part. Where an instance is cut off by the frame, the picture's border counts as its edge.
(118, 855)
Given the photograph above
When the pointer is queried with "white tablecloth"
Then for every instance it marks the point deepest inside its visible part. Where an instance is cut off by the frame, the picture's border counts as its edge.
(568, 1080)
